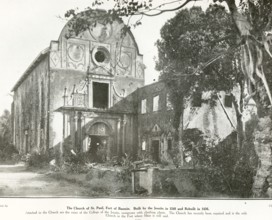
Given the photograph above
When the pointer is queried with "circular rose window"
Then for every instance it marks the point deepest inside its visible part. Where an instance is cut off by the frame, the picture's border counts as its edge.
(101, 56)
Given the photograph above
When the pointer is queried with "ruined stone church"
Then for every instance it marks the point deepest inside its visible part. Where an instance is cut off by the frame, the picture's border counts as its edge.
(87, 93)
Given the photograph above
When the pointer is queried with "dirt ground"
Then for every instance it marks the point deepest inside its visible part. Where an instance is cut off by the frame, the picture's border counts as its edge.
(18, 181)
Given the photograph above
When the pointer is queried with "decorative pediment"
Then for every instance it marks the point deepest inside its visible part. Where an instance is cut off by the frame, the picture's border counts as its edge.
(169, 135)
(100, 71)
(156, 129)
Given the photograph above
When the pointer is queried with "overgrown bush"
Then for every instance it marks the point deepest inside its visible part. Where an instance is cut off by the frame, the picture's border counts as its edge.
(76, 163)
(127, 167)
(198, 148)
(175, 155)
(107, 181)
(228, 170)
(8, 153)
(37, 160)
(7, 150)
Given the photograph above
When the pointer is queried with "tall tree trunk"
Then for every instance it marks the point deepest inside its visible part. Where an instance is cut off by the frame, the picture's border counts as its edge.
(240, 125)
(178, 125)
(262, 138)
(243, 27)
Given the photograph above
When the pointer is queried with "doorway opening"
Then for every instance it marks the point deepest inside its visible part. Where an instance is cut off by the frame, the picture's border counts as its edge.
(100, 95)
(98, 146)
(156, 150)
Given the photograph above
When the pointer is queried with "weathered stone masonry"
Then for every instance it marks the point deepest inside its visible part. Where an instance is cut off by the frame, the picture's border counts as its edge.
(84, 67)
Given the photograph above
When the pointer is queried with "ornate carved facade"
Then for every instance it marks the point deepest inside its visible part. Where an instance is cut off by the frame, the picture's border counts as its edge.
(65, 97)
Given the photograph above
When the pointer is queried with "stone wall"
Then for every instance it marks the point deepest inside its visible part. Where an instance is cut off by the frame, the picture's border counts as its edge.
(30, 109)
(158, 124)
(154, 125)
(172, 182)
(59, 80)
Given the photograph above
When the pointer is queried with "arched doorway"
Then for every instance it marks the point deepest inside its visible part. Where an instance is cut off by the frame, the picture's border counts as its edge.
(99, 142)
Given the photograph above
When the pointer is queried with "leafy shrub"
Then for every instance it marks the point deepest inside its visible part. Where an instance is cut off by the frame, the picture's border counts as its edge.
(75, 163)
(37, 160)
(75, 168)
(8, 152)
(127, 167)
(175, 155)
(228, 170)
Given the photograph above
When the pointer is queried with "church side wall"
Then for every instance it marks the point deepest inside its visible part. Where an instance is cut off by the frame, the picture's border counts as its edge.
(30, 110)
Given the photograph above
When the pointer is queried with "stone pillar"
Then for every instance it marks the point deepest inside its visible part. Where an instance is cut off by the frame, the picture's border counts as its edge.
(26, 148)
(110, 104)
(79, 132)
(64, 122)
(90, 94)
(124, 134)
(73, 129)
(63, 138)
(119, 153)
(146, 180)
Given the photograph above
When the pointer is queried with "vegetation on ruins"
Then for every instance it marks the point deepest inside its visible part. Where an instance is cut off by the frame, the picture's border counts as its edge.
(231, 44)
(7, 149)
(196, 55)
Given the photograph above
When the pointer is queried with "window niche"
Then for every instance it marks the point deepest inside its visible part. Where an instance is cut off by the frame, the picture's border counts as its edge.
(169, 105)
(169, 144)
(228, 101)
(156, 103)
(143, 106)
(100, 95)
(169, 141)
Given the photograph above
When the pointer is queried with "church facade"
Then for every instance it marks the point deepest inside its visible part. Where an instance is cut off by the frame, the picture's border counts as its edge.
(87, 92)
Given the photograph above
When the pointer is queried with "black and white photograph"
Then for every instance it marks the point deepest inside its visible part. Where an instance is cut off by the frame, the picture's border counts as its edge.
(137, 99)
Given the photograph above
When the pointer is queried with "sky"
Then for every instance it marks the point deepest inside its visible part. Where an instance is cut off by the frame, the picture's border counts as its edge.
(28, 26)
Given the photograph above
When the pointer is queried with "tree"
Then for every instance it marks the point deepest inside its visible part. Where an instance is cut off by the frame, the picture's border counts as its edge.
(252, 19)
(7, 150)
(5, 128)
(196, 55)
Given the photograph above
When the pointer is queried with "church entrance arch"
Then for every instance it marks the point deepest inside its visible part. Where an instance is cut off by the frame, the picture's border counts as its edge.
(99, 142)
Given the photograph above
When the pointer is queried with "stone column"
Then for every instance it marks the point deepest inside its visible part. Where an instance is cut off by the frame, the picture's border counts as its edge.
(63, 138)
(73, 129)
(90, 94)
(124, 134)
(118, 138)
(79, 132)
